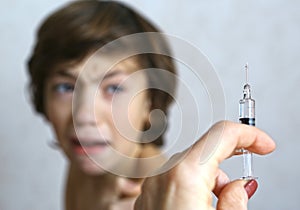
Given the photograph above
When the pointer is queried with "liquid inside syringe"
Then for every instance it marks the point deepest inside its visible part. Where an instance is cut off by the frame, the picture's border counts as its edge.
(247, 116)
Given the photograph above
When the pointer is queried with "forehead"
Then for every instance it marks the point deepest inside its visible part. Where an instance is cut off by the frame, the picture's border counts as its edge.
(97, 66)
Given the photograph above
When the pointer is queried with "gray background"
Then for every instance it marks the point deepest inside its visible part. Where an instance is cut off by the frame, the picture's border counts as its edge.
(264, 33)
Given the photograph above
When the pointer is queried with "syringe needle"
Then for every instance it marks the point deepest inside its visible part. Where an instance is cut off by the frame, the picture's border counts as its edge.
(246, 68)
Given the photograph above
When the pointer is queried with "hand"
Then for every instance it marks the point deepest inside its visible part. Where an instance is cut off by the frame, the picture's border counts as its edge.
(189, 184)
(129, 190)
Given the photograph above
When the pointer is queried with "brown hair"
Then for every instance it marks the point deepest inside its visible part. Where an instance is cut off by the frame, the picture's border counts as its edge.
(79, 29)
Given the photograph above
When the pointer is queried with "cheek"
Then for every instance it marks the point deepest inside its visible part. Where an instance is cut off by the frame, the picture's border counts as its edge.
(136, 116)
(59, 115)
(127, 116)
(126, 121)
(138, 112)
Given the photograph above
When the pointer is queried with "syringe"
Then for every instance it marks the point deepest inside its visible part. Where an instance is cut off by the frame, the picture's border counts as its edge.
(247, 116)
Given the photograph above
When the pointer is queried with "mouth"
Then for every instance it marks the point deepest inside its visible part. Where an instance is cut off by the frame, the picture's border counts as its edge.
(88, 146)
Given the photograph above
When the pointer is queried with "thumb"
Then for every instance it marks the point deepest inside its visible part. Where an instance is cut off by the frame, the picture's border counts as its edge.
(235, 195)
(129, 188)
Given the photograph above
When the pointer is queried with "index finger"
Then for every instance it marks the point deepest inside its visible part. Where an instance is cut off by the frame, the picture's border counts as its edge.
(219, 142)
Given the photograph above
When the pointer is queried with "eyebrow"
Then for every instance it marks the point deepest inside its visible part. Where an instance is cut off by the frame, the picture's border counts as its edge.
(107, 75)
(113, 73)
(65, 73)
(74, 76)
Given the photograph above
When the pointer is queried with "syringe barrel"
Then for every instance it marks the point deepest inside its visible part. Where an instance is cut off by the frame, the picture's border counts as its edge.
(247, 111)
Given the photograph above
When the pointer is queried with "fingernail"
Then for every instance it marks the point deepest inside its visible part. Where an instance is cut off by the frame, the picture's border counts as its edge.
(251, 187)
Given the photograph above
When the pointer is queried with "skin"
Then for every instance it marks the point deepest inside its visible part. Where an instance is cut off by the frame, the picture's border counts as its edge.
(88, 135)
(90, 132)
(177, 189)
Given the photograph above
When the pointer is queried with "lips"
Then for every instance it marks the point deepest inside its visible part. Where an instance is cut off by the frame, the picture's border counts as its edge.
(89, 146)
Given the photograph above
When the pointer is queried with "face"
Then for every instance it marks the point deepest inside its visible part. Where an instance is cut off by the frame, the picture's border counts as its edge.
(95, 112)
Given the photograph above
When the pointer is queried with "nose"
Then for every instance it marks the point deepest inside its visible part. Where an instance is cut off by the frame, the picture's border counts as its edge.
(83, 107)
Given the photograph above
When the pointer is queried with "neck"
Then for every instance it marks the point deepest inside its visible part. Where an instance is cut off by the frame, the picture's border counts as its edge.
(84, 191)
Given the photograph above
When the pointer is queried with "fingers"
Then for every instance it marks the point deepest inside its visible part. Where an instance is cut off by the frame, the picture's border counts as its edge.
(221, 181)
(129, 188)
(122, 204)
(235, 195)
(225, 137)
(189, 184)
(138, 205)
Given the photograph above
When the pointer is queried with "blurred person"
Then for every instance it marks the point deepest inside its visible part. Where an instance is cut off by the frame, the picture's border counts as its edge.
(82, 92)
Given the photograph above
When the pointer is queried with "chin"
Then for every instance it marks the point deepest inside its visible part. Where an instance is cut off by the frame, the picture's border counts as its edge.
(89, 167)
(93, 171)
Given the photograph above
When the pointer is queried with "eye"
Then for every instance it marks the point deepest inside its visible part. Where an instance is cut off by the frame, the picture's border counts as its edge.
(112, 89)
(63, 88)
